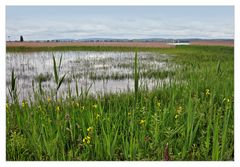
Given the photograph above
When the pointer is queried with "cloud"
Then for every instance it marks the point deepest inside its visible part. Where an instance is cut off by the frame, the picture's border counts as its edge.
(77, 28)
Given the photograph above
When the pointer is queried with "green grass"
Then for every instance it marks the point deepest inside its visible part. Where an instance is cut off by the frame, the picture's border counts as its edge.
(43, 77)
(193, 114)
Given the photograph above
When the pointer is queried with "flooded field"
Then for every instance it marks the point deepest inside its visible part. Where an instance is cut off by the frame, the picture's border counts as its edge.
(102, 72)
(121, 105)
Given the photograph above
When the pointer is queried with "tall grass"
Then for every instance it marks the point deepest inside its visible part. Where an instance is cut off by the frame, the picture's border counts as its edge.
(13, 88)
(58, 80)
(189, 118)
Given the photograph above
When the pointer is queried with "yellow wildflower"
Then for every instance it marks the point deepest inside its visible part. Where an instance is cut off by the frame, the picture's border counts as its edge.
(142, 122)
(158, 104)
(90, 129)
(207, 92)
(57, 108)
(176, 116)
(87, 140)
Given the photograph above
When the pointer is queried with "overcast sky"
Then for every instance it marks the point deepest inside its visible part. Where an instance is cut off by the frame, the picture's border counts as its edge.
(45, 22)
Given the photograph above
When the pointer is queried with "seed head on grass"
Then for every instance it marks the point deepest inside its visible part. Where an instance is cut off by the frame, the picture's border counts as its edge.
(67, 117)
(147, 138)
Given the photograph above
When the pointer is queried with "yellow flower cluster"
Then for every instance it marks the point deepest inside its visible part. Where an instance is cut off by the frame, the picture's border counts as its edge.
(87, 140)
(89, 130)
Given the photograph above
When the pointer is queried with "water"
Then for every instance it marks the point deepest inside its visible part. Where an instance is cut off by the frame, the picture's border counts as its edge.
(104, 71)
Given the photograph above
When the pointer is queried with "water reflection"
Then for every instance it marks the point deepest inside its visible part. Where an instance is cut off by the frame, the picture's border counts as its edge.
(105, 71)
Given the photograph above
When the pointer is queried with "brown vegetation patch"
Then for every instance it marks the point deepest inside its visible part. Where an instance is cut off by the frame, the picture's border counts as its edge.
(117, 44)
(213, 43)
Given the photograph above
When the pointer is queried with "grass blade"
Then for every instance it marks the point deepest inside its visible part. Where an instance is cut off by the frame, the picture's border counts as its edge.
(61, 81)
(55, 70)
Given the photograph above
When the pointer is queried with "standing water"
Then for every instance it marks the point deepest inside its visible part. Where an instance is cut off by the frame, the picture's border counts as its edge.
(103, 72)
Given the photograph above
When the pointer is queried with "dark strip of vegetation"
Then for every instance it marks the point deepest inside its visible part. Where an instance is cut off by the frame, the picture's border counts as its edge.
(113, 48)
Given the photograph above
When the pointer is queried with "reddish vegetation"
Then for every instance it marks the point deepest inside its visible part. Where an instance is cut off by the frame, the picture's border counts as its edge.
(166, 153)
(117, 44)
(213, 43)
(121, 44)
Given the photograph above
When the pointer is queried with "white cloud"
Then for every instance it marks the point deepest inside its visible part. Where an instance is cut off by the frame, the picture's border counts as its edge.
(77, 28)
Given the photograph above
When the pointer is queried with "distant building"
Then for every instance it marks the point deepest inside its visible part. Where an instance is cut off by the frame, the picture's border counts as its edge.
(179, 42)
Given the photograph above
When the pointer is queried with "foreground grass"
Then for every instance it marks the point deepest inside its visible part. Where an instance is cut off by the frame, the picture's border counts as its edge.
(187, 120)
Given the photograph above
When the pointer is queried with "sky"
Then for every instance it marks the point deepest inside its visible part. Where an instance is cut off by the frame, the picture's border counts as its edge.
(131, 22)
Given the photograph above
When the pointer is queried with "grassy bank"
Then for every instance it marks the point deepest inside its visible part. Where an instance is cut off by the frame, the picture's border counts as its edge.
(188, 120)
(102, 48)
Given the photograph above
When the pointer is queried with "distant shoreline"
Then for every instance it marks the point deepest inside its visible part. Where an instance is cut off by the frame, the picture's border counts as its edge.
(110, 44)
(118, 44)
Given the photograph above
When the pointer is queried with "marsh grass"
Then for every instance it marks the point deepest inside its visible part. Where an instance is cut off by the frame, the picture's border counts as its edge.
(43, 77)
(193, 119)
